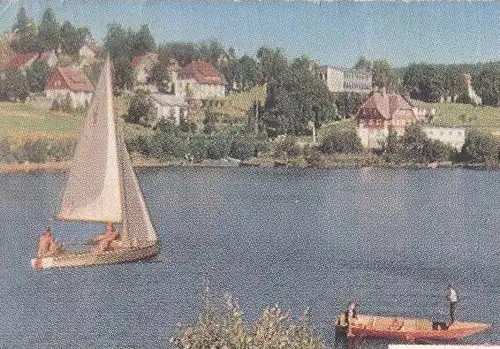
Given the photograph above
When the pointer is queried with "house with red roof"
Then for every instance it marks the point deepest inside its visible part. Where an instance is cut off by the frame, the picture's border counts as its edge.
(69, 81)
(20, 61)
(201, 81)
(381, 112)
(142, 66)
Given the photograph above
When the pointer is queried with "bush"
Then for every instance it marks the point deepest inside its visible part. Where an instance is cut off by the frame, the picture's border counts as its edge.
(223, 327)
(340, 139)
(55, 105)
(198, 147)
(141, 109)
(243, 147)
(169, 145)
(415, 146)
(218, 146)
(60, 150)
(480, 147)
(5, 153)
(286, 146)
(35, 151)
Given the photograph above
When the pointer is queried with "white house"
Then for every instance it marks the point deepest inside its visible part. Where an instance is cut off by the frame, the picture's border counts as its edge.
(170, 107)
(69, 81)
(201, 81)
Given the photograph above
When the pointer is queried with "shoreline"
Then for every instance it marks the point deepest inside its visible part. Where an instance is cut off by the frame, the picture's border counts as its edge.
(63, 166)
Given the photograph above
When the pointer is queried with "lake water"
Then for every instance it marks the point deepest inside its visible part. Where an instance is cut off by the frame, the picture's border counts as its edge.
(389, 239)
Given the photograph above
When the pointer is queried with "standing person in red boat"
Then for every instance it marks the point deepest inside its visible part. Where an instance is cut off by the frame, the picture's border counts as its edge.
(451, 296)
(347, 318)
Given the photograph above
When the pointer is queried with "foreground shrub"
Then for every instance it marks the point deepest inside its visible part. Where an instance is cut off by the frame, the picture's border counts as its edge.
(223, 327)
(415, 146)
(340, 139)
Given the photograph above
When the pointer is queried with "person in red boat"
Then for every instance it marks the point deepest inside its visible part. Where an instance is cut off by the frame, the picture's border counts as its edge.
(451, 296)
(347, 318)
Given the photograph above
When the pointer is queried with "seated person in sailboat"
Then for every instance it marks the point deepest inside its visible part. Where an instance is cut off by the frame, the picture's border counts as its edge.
(109, 240)
(47, 245)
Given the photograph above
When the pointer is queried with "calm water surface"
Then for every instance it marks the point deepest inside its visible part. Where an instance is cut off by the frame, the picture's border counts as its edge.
(389, 239)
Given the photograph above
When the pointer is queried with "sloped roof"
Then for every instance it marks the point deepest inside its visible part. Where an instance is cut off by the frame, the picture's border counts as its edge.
(203, 73)
(76, 79)
(386, 105)
(18, 60)
(138, 59)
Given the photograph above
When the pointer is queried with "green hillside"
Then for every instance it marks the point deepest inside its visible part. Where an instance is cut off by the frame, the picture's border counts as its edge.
(236, 104)
(21, 121)
(466, 115)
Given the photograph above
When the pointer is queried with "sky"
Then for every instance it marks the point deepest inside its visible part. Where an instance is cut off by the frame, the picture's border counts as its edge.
(332, 32)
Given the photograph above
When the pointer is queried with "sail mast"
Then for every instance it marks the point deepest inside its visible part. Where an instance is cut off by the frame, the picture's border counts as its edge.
(93, 192)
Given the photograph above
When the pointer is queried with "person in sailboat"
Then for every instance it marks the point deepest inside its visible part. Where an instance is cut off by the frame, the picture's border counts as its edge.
(47, 245)
(108, 240)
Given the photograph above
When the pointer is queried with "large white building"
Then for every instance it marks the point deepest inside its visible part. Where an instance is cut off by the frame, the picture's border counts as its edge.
(346, 80)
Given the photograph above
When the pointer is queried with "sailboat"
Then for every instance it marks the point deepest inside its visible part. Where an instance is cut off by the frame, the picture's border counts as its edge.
(102, 187)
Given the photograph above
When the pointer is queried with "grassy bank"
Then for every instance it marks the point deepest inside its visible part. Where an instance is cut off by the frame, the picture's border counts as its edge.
(20, 122)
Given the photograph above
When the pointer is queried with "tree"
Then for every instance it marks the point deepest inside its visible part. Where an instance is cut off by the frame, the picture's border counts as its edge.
(348, 103)
(16, 85)
(424, 82)
(363, 64)
(383, 75)
(142, 41)
(37, 75)
(141, 109)
(214, 53)
(340, 138)
(48, 32)
(160, 75)
(22, 21)
(241, 74)
(116, 42)
(71, 38)
(182, 52)
(295, 97)
(487, 84)
(480, 147)
(272, 64)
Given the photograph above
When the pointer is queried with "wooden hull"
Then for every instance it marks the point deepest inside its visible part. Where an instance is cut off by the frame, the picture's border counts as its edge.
(410, 329)
(90, 259)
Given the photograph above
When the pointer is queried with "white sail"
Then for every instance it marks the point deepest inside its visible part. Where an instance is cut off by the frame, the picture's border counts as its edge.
(137, 228)
(93, 188)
